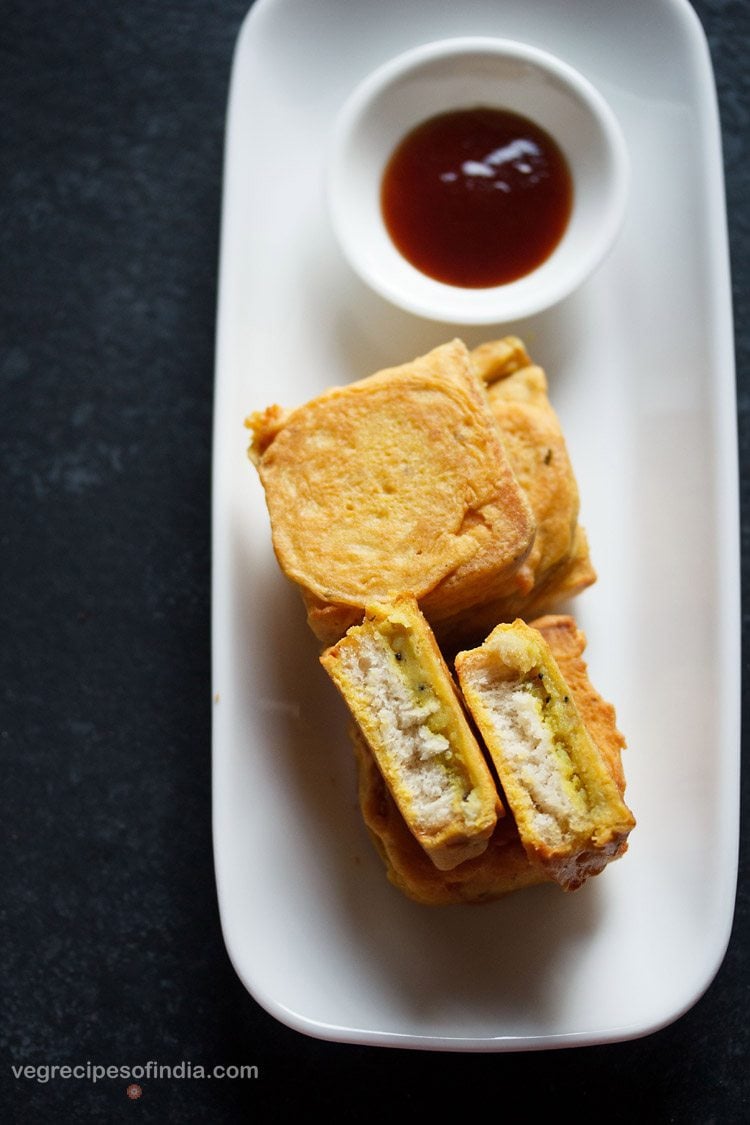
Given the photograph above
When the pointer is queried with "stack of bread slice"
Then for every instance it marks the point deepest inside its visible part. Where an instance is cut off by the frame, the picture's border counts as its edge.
(429, 515)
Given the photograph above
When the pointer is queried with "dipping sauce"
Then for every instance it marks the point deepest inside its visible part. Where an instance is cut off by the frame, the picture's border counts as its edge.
(477, 197)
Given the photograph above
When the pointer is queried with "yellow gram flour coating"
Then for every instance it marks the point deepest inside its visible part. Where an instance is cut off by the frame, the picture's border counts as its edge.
(398, 483)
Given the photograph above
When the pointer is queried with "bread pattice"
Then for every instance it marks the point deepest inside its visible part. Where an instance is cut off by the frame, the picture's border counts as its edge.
(505, 865)
(398, 483)
(567, 644)
(414, 510)
(566, 803)
(558, 565)
(501, 868)
(405, 704)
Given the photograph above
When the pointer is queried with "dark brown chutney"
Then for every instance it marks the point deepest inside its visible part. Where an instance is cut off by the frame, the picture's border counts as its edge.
(477, 197)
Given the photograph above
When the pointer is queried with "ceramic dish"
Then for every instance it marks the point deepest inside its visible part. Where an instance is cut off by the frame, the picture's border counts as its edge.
(452, 74)
(640, 363)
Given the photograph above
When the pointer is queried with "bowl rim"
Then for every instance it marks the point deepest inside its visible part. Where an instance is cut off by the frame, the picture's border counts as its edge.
(494, 304)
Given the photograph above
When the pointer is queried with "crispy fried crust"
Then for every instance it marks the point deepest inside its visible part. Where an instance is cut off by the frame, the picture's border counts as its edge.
(567, 805)
(505, 865)
(559, 562)
(399, 690)
(558, 565)
(497, 359)
(398, 483)
(445, 486)
(539, 458)
(567, 642)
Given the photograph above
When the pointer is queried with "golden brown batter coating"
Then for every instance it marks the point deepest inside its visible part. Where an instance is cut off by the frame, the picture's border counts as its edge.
(567, 805)
(505, 865)
(558, 565)
(567, 643)
(398, 483)
(499, 358)
(391, 674)
(441, 491)
(539, 458)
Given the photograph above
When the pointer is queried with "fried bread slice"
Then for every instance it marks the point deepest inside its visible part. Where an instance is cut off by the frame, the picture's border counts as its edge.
(567, 643)
(538, 454)
(567, 805)
(558, 565)
(564, 581)
(497, 359)
(396, 483)
(402, 697)
(504, 866)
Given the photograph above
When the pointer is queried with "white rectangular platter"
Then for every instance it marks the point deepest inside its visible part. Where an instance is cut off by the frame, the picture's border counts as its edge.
(640, 366)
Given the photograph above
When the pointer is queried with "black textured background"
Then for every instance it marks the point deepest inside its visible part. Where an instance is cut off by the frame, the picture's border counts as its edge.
(111, 128)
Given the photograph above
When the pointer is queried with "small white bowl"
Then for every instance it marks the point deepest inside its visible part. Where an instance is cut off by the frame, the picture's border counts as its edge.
(463, 73)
